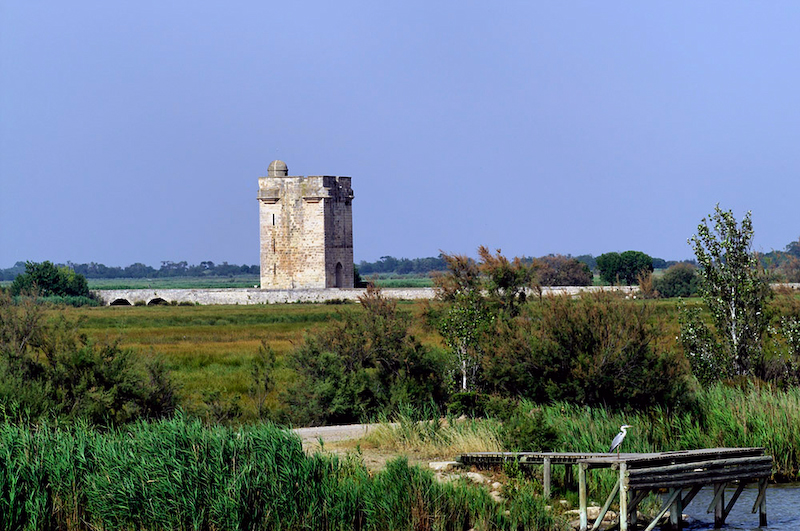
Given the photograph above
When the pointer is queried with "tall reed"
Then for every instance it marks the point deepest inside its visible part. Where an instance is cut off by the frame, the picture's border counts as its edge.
(753, 416)
(180, 475)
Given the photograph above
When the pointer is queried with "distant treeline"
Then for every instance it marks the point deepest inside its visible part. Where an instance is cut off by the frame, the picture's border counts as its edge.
(783, 265)
(402, 266)
(385, 265)
(422, 266)
(138, 270)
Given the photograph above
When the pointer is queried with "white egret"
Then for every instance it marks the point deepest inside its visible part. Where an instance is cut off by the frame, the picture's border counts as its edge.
(619, 438)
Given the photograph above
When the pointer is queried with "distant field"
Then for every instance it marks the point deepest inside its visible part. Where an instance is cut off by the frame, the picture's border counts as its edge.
(241, 281)
(212, 348)
(394, 280)
(244, 281)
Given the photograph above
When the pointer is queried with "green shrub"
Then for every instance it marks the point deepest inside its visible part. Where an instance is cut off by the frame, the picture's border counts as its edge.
(623, 268)
(596, 349)
(680, 280)
(471, 404)
(46, 280)
(526, 430)
(49, 368)
(558, 270)
(366, 364)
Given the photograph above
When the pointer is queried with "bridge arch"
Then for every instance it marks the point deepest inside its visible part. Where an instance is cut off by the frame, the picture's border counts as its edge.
(120, 302)
(158, 301)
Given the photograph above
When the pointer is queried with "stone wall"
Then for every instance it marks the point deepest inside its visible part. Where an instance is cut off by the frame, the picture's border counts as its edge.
(248, 295)
(259, 296)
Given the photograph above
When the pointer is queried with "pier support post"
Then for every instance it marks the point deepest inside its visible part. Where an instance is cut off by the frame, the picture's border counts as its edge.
(582, 496)
(569, 480)
(546, 475)
(623, 496)
(719, 505)
(676, 510)
(761, 501)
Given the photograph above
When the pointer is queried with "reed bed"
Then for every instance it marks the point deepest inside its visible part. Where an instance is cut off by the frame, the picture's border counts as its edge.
(180, 475)
(434, 436)
(725, 417)
(754, 416)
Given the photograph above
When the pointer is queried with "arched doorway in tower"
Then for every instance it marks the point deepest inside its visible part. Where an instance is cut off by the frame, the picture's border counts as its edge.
(339, 275)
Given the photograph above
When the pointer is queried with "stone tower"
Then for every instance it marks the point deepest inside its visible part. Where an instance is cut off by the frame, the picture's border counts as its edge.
(306, 226)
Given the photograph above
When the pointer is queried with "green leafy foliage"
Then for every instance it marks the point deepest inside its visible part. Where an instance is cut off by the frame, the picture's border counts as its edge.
(679, 280)
(558, 270)
(368, 363)
(623, 268)
(48, 368)
(474, 297)
(596, 349)
(182, 475)
(262, 381)
(526, 430)
(462, 325)
(702, 347)
(46, 279)
(506, 281)
(734, 288)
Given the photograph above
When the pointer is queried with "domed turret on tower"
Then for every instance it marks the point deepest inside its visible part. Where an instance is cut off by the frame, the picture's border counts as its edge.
(277, 168)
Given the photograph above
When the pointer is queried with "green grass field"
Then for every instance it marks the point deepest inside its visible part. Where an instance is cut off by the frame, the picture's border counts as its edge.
(239, 281)
(212, 348)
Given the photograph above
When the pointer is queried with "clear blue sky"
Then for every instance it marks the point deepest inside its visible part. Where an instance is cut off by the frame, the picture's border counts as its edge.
(136, 131)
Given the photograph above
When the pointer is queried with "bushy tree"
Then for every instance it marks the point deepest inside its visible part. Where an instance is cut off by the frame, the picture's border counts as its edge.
(734, 288)
(789, 269)
(506, 281)
(793, 248)
(589, 260)
(475, 297)
(462, 325)
(48, 279)
(366, 364)
(786, 265)
(623, 268)
(597, 349)
(48, 367)
(610, 267)
(680, 280)
(559, 270)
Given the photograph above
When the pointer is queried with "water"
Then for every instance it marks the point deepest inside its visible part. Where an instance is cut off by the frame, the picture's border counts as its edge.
(783, 510)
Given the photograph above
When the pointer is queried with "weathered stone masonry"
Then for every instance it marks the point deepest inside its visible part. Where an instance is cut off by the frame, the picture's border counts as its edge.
(306, 230)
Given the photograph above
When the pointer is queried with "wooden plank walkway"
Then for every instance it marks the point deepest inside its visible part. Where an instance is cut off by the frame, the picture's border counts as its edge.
(640, 474)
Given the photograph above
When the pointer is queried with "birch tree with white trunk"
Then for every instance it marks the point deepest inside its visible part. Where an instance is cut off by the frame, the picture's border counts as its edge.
(734, 287)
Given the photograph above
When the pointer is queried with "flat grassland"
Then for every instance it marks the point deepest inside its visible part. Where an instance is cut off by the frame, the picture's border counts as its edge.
(212, 348)
(238, 281)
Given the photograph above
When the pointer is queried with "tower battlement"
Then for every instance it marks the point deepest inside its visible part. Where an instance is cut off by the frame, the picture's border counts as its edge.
(306, 230)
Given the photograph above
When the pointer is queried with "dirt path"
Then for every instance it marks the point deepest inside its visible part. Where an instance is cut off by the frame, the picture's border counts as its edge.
(334, 433)
(340, 440)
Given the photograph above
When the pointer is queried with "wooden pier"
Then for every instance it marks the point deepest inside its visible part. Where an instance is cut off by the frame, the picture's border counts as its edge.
(681, 474)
